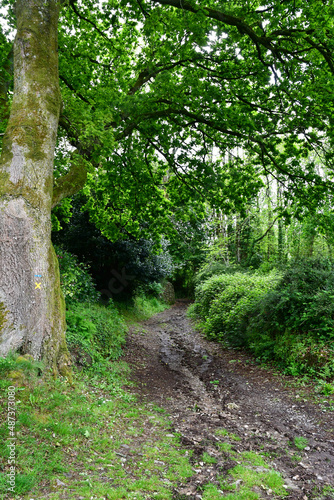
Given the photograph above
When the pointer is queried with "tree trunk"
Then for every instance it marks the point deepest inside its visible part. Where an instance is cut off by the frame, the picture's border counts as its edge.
(237, 239)
(280, 229)
(32, 309)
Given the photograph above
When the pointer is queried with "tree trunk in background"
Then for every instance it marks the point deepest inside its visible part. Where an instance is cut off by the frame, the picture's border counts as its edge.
(32, 310)
(237, 239)
(270, 220)
(280, 235)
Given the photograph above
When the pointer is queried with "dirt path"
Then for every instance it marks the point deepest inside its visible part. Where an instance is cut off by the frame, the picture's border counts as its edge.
(204, 387)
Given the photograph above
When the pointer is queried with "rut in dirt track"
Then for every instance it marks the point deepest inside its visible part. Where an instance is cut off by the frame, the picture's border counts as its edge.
(205, 387)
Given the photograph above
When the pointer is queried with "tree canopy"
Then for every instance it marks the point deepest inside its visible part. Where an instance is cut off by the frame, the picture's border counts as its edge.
(167, 101)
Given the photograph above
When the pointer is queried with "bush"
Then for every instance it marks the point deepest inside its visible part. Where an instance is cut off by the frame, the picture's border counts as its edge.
(76, 283)
(94, 332)
(213, 269)
(287, 318)
(302, 304)
(140, 308)
(152, 289)
(294, 323)
(229, 311)
(139, 259)
(208, 291)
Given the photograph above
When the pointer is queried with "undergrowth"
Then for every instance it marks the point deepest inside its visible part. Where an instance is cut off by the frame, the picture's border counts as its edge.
(94, 333)
(94, 440)
(140, 308)
(281, 317)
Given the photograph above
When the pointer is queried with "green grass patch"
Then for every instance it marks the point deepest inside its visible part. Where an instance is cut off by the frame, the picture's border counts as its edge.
(300, 442)
(252, 458)
(230, 435)
(270, 481)
(224, 446)
(208, 459)
(140, 308)
(97, 435)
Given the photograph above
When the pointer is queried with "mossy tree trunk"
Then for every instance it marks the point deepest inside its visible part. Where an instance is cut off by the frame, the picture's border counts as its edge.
(32, 310)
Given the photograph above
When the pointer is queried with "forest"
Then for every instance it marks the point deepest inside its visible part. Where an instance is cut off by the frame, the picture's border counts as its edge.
(155, 156)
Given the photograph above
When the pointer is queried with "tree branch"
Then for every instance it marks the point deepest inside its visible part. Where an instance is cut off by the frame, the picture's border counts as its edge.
(72, 4)
(146, 75)
(70, 86)
(72, 182)
(228, 19)
(263, 235)
(266, 41)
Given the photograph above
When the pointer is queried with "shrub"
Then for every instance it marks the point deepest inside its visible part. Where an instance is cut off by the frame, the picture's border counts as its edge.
(302, 304)
(140, 308)
(213, 269)
(148, 306)
(206, 292)
(76, 283)
(210, 289)
(230, 310)
(94, 332)
(152, 289)
(288, 318)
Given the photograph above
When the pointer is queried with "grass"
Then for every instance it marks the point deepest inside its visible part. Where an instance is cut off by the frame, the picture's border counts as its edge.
(300, 442)
(230, 435)
(90, 439)
(94, 439)
(208, 459)
(241, 482)
(270, 481)
(140, 308)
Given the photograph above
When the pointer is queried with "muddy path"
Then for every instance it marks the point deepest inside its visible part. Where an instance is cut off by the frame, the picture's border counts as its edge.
(204, 387)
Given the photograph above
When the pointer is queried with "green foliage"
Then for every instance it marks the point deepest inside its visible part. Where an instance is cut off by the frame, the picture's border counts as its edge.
(295, 354)
(76, 283)
(326, 388)
(214, 268)
(234, 298)
(7, 364)
(18, 367)
(294, 323)
(300, 442)
(94, 332)
(285, 317)
(140, 308)
(144, 261)
(150, 124)
(153, 289)
(61, 214)
(303, 303)
(230, 283)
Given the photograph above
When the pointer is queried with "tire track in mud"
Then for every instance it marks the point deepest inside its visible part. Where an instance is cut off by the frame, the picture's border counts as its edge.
(204, 387)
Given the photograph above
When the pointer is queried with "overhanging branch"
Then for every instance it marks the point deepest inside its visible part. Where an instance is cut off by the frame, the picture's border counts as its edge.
(271, 42)
(72, 182)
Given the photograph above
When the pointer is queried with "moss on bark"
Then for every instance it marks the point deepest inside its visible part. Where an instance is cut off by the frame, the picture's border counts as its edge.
(3, 317)
(61, 362)
(26, 183)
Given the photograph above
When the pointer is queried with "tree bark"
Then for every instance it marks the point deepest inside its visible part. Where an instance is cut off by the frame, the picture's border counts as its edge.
(32, 309)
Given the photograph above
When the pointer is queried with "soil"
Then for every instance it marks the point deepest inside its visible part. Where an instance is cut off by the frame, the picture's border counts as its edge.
(205, 387)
